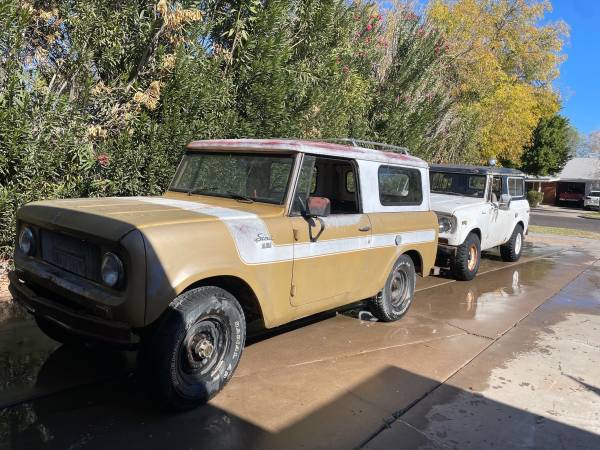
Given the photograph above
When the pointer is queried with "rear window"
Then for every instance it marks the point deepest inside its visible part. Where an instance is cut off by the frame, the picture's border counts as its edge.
(399, 186)
(515, 187)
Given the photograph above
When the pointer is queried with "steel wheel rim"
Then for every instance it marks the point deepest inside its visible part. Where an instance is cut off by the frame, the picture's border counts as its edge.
(400, 290)
(203, 347)
(518, 243)
(472, 261)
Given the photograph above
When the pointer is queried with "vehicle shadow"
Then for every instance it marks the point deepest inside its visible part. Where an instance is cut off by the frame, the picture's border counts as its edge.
(120, 414)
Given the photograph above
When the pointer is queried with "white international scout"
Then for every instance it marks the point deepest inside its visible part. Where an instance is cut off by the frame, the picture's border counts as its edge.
(478, 208)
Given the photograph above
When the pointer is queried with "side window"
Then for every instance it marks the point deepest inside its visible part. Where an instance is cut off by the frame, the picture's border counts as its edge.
(399, 186)
(496, 189)
(327, 177)
(307, 184)
(515, 187)
(313, 181)
(350, 182)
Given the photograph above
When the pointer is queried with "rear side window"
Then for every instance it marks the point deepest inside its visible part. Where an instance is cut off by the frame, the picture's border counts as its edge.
(350, 183)
(515, 187)
(399, 186)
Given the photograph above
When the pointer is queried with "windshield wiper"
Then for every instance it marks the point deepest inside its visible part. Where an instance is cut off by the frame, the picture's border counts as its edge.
(240, 197)
(210, 190)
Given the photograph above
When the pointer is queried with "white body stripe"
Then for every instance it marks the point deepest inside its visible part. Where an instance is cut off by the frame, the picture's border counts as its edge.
(246, 229)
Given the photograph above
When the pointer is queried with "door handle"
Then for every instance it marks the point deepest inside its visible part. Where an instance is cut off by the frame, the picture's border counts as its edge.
(365, 228)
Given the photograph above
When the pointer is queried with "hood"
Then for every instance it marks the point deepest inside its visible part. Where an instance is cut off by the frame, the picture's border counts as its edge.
(449, 204)
(113, 217)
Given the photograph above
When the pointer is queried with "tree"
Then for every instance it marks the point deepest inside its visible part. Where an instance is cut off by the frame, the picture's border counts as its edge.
(588, 145)
(551, 147)
(506, 59)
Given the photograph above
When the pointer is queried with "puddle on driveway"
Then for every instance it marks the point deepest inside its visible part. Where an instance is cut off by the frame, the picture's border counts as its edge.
(282, 368)
(536, 387)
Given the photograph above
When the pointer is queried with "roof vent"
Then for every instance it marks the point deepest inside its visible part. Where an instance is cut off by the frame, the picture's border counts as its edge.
(492, 162)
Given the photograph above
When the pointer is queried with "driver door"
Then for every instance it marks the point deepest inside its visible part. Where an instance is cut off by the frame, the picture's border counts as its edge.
(500, 220)
(329, 261)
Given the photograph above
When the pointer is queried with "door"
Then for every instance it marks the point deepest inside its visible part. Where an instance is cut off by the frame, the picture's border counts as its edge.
(501, 221)
(329, 261)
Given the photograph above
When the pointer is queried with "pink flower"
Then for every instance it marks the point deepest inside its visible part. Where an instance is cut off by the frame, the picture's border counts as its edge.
(103, 159)
(369, 27)
(380, 17)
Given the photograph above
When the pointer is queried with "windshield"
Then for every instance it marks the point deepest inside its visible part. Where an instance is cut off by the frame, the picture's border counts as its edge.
(595, 194)
(457, 184)
(245, 177)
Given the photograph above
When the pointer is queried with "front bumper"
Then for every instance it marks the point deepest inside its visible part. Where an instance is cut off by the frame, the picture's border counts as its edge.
(591, 204)
(445, 254)
(75, 321)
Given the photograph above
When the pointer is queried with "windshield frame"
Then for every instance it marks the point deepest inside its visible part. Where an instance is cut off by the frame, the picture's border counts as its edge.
(486, 188)
(233, 196)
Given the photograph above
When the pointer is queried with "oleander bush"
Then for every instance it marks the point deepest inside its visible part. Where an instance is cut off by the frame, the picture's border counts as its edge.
(99, 97)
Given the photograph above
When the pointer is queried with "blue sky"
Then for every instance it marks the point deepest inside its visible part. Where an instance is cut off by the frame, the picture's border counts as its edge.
(579, 81)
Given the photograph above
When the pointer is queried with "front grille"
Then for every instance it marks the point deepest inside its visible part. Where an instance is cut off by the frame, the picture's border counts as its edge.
(71, 254)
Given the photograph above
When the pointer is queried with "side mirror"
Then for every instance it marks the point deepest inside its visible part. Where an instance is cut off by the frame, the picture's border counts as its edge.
(505, 200)
(318, 207)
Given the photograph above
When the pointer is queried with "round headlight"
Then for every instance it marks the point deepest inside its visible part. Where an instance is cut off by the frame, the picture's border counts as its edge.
(445, 224)
(111, 270)
(27, 241)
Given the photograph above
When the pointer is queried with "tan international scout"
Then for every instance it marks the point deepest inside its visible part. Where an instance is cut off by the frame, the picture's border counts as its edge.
(249, 232)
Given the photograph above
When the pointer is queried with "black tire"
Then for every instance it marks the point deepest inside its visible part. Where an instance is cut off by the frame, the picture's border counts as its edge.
(512, 249)
(465, 263)
(397, 295)
(58, 333)
(196, 347)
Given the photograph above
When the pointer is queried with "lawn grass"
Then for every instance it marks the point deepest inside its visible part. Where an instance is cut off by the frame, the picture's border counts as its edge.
(564, 232)
(592, 215)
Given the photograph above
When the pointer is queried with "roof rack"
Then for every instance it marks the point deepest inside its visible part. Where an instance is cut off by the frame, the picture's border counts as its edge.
(370, 144)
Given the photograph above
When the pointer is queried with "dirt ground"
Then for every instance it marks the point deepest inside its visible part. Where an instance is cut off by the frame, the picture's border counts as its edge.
(509, 360)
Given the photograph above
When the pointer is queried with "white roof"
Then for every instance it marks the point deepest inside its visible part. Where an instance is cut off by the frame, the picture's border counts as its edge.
(581, 169)
(312, 147)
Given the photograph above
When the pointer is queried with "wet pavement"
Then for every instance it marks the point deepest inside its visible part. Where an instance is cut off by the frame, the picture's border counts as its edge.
(509, 360)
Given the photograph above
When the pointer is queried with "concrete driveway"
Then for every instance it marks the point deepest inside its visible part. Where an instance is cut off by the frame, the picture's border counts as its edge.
(509, 360)
(563, 217)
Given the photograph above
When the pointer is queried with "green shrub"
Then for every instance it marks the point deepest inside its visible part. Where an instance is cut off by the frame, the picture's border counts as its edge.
(99, 97)
(534, 198)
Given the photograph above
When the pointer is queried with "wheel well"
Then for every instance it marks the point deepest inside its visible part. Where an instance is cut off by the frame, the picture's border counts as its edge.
(417, 260)
(520, 222)
(240, 290)
(477, 232)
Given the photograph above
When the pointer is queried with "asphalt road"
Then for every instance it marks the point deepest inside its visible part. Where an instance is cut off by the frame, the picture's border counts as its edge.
(509, 360)
(563, 218)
